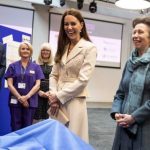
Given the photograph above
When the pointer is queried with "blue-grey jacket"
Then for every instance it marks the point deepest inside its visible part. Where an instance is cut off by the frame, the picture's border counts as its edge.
(123, 139)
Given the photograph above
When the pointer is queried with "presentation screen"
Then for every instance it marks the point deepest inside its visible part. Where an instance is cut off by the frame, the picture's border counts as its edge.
(106, 36)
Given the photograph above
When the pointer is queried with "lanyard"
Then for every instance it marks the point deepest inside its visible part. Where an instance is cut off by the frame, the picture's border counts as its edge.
(23, 71)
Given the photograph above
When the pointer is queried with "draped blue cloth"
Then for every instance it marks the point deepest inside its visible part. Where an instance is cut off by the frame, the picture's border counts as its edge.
(46, 135)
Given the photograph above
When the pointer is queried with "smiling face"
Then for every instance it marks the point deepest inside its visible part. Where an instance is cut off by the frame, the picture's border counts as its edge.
(141, 37)
(25, 51)
(72, 27)
(45, 53)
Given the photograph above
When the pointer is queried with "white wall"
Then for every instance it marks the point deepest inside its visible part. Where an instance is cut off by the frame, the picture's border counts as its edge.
(105, 81)
(40, 28)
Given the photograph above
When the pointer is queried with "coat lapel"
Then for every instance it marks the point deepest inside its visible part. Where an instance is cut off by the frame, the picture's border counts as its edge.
(64, 57)
(76, 50)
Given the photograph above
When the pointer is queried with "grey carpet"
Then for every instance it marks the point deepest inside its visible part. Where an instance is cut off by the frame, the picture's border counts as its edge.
(101, 128)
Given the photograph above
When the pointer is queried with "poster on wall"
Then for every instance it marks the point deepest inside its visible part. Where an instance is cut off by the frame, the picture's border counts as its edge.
(11, 37)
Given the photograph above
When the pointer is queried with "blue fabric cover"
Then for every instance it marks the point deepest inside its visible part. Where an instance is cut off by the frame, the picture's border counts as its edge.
(45, 135)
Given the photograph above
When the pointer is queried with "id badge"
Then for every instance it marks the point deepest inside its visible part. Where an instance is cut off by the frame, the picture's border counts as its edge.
(21, 85)
(32, 71)
(13, 101)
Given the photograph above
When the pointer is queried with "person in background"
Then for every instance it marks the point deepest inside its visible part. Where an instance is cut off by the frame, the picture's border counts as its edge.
(74, 64)
(131, 105)
(2, 62)
(23, 78)
(45, 60)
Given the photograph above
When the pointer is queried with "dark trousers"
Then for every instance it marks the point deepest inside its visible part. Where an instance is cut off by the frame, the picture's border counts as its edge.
(21, 117)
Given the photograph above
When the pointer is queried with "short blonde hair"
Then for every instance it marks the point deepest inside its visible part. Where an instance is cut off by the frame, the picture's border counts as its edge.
(50, 59)
(29, 46)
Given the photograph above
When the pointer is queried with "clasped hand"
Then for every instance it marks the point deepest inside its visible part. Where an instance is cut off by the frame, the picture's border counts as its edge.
(24, 100)
(54, 103)
(124, 120)
(43, 94)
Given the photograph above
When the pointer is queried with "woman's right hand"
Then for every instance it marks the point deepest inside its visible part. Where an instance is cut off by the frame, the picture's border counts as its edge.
(54, 109)
(54, 103)
(118, 116)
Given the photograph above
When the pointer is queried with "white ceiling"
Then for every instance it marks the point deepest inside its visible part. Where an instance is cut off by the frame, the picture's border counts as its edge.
(105, 7)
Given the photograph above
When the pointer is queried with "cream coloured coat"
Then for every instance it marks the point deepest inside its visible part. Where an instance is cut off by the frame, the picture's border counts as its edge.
(70, 77)
(69, 80)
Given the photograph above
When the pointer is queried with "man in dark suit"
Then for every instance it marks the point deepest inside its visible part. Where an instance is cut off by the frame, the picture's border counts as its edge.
(2, 61)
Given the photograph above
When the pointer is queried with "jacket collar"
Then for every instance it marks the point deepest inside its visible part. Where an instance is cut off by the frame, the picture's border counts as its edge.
(76, 50)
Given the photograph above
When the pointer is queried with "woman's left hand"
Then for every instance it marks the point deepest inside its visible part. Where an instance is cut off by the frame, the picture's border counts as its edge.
(53, 98)
(23, 98)
(125, 120)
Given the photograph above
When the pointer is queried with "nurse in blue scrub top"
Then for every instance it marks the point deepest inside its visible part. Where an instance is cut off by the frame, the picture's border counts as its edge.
(23, 78)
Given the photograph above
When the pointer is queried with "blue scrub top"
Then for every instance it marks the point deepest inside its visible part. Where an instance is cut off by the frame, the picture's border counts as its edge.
(28, 76)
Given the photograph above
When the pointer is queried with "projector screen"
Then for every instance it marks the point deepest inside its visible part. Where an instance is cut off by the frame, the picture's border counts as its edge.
(106, 36)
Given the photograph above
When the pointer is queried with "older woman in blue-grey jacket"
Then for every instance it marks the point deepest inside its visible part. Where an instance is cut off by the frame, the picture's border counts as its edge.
(131, 106)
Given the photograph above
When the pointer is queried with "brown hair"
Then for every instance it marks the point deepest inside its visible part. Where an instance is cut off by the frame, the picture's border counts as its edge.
(143, 20)
(63, 40)
(50, 59)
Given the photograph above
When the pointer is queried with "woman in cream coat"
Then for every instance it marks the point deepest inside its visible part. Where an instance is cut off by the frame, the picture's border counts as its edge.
(74, 63)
